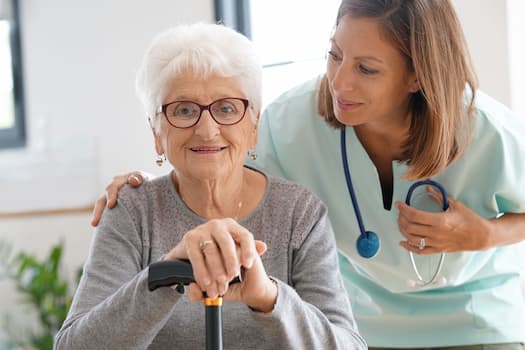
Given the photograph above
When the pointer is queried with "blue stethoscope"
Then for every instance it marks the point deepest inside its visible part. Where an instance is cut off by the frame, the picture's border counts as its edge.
(368, 242)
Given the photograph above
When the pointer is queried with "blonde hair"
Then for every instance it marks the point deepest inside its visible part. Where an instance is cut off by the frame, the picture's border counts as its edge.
(203, 49)
(428, 34)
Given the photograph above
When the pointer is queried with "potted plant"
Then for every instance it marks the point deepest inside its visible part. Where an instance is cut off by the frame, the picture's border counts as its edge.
(43, 288)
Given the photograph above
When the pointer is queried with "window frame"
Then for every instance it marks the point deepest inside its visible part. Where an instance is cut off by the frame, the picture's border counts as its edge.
(15, 136)
(234, 14)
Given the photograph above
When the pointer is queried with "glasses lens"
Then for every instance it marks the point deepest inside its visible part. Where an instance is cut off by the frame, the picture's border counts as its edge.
(182, 114)
(228, 111)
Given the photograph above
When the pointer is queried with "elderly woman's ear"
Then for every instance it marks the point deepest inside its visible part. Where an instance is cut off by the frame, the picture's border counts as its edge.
(158, 145)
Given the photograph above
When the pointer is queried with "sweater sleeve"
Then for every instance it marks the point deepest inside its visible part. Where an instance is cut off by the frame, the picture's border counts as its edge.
(314, 312)
(112, 307)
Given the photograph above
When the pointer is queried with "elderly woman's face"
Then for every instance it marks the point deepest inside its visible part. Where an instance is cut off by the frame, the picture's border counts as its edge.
(207, 150)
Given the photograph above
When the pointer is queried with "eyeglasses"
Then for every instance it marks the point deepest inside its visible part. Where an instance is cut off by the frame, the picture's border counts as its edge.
(185, 114)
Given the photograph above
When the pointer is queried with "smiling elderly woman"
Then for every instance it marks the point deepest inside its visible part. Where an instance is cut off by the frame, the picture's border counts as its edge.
(200, 85)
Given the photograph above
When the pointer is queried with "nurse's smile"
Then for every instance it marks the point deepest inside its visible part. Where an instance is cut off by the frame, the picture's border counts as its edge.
(346, 106)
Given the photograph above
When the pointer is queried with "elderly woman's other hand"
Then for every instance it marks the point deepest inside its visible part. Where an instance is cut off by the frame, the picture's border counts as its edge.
(256, 290)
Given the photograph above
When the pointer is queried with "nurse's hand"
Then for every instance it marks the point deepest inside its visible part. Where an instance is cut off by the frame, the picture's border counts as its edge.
(134, 178)
(454, 230)
(217, 250)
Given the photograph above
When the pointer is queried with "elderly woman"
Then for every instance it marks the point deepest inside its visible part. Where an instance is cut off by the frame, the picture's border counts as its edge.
(200, 85)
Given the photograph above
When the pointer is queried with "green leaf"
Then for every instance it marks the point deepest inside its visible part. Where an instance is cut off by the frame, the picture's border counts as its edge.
(43, 287)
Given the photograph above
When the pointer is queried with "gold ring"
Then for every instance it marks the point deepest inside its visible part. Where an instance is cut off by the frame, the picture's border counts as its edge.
(204, 243)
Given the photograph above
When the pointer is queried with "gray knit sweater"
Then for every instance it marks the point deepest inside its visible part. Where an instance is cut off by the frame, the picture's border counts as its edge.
(113, 309)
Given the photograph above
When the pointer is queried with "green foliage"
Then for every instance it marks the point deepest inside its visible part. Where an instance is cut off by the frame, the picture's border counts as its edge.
(43, 288)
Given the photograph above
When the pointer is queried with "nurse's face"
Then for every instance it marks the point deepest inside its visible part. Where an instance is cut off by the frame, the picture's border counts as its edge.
(368, 77)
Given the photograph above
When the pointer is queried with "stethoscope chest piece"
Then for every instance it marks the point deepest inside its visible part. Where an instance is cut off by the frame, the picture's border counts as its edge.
(368, 244)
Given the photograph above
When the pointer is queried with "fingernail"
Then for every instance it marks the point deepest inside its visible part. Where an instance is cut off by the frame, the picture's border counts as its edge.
(206, 281)
(223, 289)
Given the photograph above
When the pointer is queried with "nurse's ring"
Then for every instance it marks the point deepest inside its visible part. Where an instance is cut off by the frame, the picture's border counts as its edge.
(203, 244)
(422, 244)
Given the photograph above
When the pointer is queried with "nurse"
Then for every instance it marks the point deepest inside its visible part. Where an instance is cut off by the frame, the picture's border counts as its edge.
(400, 98)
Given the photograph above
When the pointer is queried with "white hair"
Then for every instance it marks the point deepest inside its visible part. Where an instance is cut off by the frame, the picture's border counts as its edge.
(205, 49)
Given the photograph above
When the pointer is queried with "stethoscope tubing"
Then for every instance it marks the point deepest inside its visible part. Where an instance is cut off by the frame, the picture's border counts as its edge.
(421, 282)
(427, 182)
(349, 184)
(364, 235)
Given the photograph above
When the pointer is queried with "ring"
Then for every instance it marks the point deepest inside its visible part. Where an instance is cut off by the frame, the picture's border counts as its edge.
(203, 244)
(422, 244)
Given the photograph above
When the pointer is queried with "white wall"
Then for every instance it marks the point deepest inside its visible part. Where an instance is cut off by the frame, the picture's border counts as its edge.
(485, 25)
(516, 28)
(86, 125)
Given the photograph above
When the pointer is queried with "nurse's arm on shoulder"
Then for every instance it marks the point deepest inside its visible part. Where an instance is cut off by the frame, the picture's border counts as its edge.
(456, 229)
(109, 199)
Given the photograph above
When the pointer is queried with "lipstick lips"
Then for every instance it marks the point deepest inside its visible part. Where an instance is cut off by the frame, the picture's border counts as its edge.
(347, 105)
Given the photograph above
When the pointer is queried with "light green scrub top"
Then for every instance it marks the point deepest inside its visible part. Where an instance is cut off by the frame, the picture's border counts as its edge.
(481, 301)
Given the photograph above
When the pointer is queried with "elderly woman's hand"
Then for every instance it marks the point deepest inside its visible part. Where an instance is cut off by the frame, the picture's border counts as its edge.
(257, 290)
(217, 250)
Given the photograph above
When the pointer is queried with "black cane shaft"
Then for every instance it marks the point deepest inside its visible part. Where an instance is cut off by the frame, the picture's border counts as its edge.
(213, 324)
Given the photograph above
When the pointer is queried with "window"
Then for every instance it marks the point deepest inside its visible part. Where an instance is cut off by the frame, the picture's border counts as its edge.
(234, 14)
(292, 37)
(12, 128)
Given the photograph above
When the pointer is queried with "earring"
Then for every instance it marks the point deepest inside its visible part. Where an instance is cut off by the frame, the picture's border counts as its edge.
(252, 154)
(160, 159)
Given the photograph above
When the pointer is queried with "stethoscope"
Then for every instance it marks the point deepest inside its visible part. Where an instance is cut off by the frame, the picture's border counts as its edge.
(368, 242)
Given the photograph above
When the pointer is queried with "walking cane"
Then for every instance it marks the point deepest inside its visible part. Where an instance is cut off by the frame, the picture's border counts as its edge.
(179, 273)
